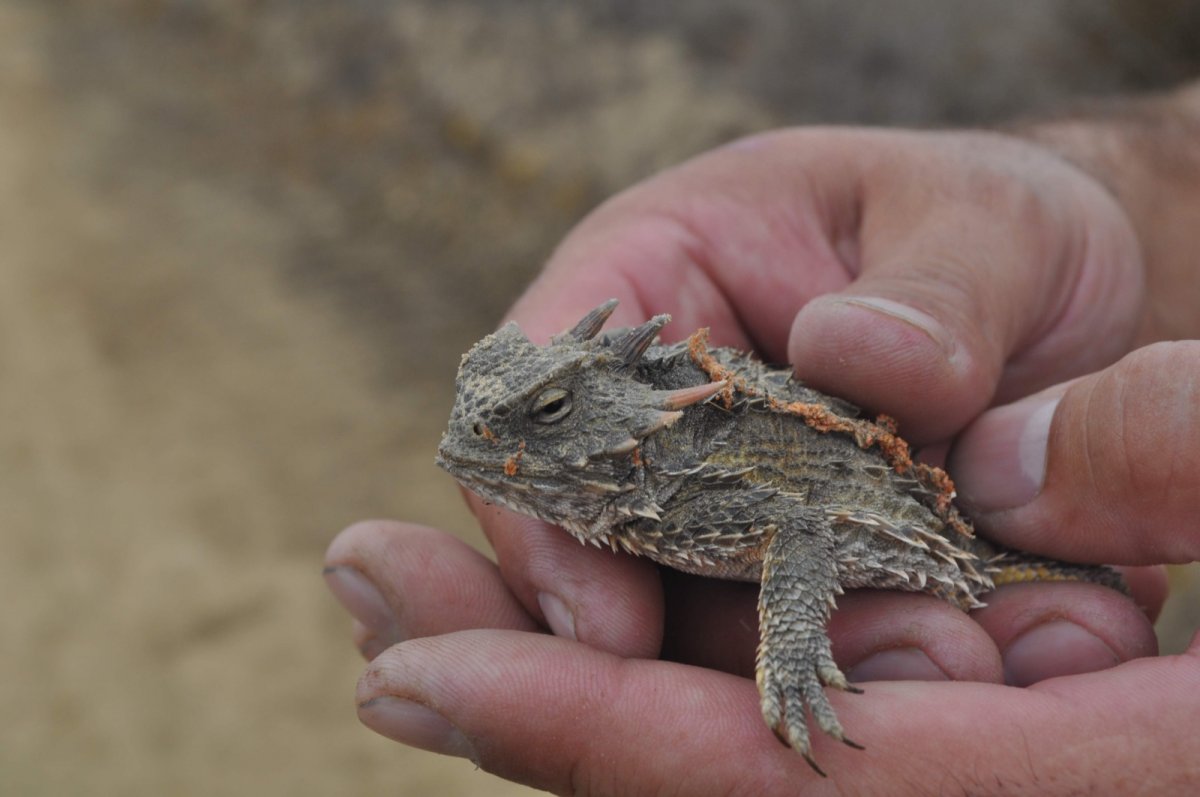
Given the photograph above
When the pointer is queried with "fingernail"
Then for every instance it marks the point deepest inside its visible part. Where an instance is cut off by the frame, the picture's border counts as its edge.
(922, 322)
(1000, 461)
(362, 599)
(1058, 647)
(897, 664)
(558, 616)
(416, 725)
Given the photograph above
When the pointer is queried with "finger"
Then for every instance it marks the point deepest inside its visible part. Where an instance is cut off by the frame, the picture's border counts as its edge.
(556, 715)
(876, 634)
(1048, 630)
(1041, 630)
(986, 268)
(608, 600)
(1026, 633)
(885, 635)
(402, 581)
(1103, 469)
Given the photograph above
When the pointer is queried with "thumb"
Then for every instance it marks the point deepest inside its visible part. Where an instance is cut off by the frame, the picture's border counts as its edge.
(1104, 469)
(985, 269)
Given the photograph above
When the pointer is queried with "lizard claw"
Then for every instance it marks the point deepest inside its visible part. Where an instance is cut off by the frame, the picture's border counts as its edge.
(793, 690)
(814, 766)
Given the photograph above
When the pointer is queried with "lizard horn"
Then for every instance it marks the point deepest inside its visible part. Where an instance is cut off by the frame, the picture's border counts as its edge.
(633, 344)
(687, 396)
(590, 324)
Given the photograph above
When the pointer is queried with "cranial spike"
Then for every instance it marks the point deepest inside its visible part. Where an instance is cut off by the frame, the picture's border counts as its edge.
(633, 344)
(590, 324)
(686, 396)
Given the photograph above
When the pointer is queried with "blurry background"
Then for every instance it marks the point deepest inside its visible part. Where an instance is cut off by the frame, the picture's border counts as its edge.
(242, 245)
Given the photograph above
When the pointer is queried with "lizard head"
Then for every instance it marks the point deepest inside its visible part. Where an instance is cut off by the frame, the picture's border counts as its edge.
(554, 431)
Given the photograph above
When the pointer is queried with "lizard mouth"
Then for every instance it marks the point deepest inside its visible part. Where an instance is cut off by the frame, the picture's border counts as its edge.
(490, 480)
(482, 475)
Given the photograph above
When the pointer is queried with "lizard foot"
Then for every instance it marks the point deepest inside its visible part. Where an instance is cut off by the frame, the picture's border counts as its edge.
(792, 683)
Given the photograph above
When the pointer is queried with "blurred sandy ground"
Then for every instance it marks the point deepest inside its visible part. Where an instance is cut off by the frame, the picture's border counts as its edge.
(241, 247)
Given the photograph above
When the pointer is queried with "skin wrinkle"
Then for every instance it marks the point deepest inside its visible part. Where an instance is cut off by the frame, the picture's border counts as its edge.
(880, 309)
(823, 204)
(1125, 429)
(910, 645)
(816, 242)
(1163, 484)
(634, 284)
(1089, 469)
(954, 297)
(1148, 780)
(1175, 475)
(616, 694)
(1143, 152)
(839, 230)
(982, 372)
(1098, 625)
(694, 246)
(847, 238)
(1068, 294)
(1030, 761)
(1099, 285)
(1144, 485)
(634, 273)
(917, 230)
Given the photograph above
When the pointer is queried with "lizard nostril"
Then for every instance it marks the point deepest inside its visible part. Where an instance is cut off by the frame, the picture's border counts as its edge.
(478, 428)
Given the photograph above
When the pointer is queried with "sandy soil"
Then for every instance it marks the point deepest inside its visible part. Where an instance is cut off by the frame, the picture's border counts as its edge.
(232, 245)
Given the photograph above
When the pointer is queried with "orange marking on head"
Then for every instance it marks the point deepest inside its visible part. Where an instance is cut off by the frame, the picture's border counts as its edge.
(513, 463)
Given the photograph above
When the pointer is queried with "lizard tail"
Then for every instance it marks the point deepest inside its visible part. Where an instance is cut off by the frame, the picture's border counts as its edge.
(1013, 568)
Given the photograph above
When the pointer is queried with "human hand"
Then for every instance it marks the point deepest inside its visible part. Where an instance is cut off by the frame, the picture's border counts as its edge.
(961, 275)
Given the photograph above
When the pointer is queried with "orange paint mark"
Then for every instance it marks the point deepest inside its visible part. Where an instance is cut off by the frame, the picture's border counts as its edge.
(514, 462)
(698, 351)
(880, 433)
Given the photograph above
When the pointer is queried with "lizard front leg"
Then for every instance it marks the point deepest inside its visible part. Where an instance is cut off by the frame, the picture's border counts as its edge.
(755, 532)
(794, 662)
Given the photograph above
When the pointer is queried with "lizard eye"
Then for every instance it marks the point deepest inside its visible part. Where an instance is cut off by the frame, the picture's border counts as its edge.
(551, 405)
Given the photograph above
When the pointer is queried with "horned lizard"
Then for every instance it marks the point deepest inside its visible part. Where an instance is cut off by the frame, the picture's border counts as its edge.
(708, 461)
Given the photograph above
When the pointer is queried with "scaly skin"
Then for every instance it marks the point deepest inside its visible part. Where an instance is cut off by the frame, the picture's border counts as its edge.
(710, 462)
